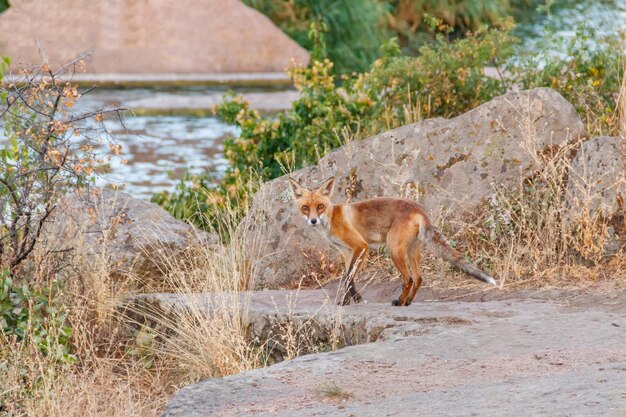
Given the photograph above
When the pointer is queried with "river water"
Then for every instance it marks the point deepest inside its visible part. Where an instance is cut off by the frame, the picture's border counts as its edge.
(159, 149)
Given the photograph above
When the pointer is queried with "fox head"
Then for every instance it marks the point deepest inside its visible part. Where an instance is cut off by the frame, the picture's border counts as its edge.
(313, 205)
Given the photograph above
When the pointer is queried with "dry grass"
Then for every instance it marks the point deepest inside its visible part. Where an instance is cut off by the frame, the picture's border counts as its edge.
(123, 369)
(206, 335)
(553, 229)
(332, 391)
(105, 380)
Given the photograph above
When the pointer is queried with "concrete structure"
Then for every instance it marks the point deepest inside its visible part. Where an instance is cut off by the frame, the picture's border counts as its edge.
(147, 36)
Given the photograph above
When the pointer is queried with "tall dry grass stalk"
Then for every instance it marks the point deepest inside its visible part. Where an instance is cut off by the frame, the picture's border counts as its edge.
(620, 110)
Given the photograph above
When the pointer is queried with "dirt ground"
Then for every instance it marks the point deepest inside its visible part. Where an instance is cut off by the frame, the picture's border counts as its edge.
(478, 353)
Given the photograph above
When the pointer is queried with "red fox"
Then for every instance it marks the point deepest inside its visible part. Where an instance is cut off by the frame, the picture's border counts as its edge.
(400, 223)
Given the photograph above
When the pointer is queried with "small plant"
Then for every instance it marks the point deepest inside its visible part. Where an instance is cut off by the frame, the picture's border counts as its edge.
(35, 316)
(333, 391)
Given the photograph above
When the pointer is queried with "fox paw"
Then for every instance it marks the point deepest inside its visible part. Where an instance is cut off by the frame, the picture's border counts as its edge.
(357, 298)
(395, 302)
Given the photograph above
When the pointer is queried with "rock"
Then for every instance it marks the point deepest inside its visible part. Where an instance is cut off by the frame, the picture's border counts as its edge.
(432, 359)
(157, 36)
(129, 234)
(597, 187)
(314, 320)
(448, 165)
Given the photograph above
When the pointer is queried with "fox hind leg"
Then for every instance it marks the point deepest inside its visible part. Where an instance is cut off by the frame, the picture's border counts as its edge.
(397, 244)
(415, 257)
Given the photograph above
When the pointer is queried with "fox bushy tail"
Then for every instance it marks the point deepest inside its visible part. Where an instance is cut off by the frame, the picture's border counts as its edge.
(439, 246)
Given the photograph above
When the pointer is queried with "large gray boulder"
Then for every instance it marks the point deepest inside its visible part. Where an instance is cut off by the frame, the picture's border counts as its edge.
(449, 166)
(596, 195)
(124, 234)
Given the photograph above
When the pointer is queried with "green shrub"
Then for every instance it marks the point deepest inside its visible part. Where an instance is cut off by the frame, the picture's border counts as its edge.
(357, 27)
(588, 73)
(35, 316)
(446, 79)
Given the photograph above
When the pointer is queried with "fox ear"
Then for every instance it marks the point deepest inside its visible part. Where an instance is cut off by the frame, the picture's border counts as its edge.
(296, 188)
(328, 187)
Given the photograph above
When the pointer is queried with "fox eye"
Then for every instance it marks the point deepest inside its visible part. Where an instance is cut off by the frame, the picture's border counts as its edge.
(305, 209)
(320, 207)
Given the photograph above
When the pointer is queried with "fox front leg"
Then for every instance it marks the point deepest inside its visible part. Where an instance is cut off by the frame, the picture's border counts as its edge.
(354, 259)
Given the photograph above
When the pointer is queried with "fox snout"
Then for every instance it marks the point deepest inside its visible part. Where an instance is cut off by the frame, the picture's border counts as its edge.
(313, 222)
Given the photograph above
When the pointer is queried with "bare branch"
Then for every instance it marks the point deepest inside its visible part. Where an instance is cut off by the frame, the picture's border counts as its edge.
(48, 158)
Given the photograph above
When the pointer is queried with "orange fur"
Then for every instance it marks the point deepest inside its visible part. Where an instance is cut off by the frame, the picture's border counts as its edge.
(400, 223)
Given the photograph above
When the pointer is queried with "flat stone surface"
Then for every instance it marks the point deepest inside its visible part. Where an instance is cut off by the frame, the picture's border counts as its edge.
(173, 79)
(495, 358)
(263, 101)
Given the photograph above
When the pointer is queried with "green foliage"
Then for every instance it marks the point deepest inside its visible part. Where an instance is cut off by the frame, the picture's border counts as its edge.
(35, 316)
(195, 199)
(272, 146)
(212, 205)
(357, 27)
(446, 79)
(588, 74)
(4, 4)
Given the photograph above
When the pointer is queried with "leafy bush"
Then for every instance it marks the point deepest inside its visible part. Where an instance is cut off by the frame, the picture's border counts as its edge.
(359, 28)
(47, 149)
(272, 146)
(35, 316)
(588, 73)
(445, 80)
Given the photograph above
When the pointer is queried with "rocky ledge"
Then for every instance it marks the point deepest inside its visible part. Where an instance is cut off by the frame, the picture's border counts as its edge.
(496, 358)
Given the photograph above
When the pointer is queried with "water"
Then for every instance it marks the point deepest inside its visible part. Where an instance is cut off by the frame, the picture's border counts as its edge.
(159, 150)
(605, 17)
